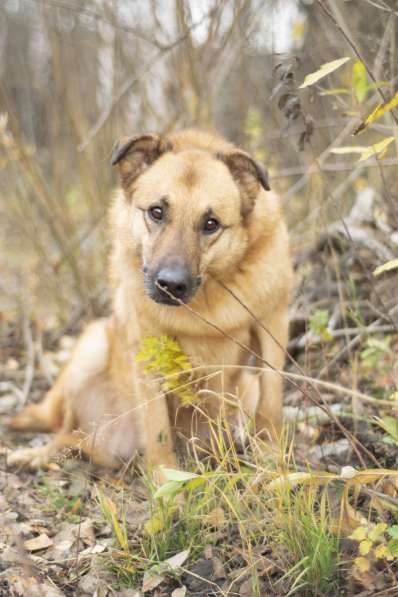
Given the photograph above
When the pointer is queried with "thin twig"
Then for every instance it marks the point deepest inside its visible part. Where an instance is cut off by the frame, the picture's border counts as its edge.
(302, 341)
(358, 54)
(130, 82)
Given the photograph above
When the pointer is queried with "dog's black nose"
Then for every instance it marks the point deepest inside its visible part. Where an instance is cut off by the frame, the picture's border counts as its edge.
(175, 280)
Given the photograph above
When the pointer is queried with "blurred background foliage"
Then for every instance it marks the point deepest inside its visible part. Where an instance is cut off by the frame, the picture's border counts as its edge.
(74, 76)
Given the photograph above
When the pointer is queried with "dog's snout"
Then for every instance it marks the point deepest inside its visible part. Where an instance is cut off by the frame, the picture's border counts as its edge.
(175, 280)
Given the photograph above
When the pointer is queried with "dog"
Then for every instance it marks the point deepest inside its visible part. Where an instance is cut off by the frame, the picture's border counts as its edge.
(200, 254)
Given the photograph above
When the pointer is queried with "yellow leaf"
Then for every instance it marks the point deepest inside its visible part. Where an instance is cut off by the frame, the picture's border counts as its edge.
(377, 532)
(362, 564)
(335, 91)
(292, 479)
(386, 267)
(349, 149)
(359, 534)
(366, 152)
(381, 551)
(377, 148)
(324, 70)
(154, 525)
(377, 113)
(365, 547)
(359, 81)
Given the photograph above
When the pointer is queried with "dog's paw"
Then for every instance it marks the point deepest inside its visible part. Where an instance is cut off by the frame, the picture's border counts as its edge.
(32, 458)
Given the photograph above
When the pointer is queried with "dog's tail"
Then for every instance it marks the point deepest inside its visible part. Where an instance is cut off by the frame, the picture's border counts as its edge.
(45, 416)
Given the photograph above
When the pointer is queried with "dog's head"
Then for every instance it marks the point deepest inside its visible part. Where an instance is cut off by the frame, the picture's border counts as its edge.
(190, 211)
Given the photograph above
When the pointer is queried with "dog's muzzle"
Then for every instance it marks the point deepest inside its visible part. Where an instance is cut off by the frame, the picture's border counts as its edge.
(172, 284)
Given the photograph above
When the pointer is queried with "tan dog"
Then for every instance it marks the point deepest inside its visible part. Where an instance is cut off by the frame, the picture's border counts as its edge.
(193, 212)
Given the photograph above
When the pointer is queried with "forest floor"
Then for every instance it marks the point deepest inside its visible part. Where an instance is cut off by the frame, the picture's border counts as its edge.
(298, 520)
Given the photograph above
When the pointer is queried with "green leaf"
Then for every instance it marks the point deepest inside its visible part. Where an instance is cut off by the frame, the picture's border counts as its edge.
(169, 489)
(318, 324)
(386, 267)
(390, 426)
(172, 474)
(360, 81)
(393, 547)
(324, 70)
(393, 531)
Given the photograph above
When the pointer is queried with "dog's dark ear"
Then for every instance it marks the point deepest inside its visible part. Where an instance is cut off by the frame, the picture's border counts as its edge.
(248, 174)
(135, 154)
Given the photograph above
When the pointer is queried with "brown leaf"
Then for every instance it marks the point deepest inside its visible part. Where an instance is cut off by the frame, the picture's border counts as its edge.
(42, 541)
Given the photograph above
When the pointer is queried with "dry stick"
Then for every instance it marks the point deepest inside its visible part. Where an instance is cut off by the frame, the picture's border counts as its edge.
(339, 333)
(386, 8)
(130, 82)
(358, 54)
(353, 440)
(324, 404)
(335, 167)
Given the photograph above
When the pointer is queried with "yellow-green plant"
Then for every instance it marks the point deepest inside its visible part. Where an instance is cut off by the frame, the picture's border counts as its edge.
(165, 359)
(377, 542)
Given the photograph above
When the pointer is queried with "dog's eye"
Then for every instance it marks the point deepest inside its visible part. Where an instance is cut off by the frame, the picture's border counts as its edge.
(211, 225)
(156, 213)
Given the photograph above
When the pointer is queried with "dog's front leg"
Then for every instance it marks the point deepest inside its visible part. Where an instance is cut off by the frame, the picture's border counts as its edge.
(273, 341)
(154, 415)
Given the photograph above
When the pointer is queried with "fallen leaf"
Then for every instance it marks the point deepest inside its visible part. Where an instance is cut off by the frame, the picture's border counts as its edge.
(156, 575)
(180, 592)
(151, 580)
(42, 541)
